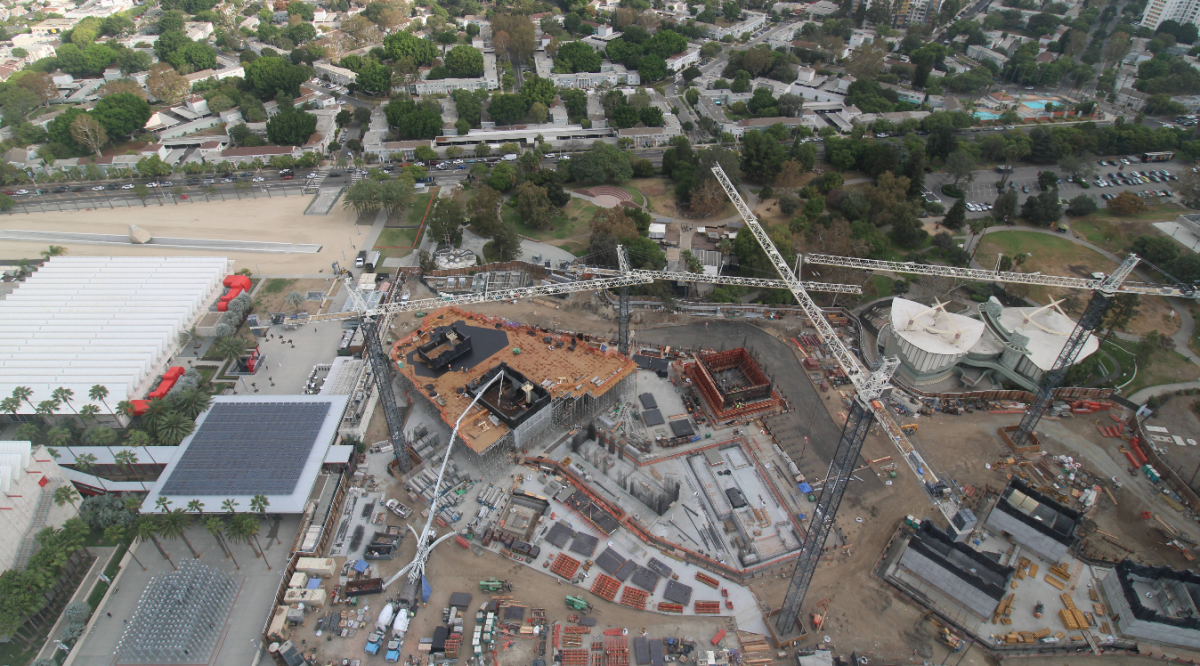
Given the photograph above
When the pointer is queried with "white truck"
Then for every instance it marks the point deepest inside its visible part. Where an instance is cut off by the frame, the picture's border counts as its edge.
(385, 618)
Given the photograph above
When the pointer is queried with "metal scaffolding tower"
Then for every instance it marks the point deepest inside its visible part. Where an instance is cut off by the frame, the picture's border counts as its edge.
(387, 398)
(179, 616)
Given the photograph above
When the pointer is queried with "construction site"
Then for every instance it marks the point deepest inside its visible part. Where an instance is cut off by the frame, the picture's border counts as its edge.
(570, 482)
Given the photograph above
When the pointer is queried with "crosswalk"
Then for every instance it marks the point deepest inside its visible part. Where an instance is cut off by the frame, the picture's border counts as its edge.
(317, 178)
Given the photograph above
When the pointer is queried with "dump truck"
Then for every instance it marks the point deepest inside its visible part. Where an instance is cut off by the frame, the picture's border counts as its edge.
(363, 586)
(577, 603)
(493, 585)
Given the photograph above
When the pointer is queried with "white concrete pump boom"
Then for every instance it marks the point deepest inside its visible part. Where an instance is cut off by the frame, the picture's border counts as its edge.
(762, 283)
(980, 275)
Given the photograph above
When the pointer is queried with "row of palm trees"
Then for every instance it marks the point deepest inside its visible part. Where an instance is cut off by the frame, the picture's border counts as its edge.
(173, 523)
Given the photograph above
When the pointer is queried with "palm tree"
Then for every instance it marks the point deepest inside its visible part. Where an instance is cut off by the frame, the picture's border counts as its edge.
(216, 527)
(10, 405)
(163, 504)
(53, 251)
(173, 428)
(48, 407)
(193, 402)
(155, 411)
(63, 394)
(174, 524)
(259, 504)
(126, 458)
(230, 505)
(89, 412)
(147, 527)
(196, 506)
(24, 393)
(117, 533)
(87, 463)
(244, 529)
(139, 439)
(64, 495)
(98, 393)
(125, 408)
(230, 348)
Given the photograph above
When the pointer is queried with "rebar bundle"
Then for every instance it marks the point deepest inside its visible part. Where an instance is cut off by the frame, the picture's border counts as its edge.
(179, 616)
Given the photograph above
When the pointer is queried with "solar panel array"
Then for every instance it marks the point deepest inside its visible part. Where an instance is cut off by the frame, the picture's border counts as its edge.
(248, 449)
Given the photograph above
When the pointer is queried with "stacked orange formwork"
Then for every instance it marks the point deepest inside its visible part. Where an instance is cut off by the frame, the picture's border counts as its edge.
(565, 566)
(616, 651)
(634, 598)
(576, 657)
(606, 587)
(708, 580)
(669, 607)
(707, 607)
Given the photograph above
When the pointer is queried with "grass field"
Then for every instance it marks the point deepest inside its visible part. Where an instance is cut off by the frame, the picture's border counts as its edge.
(879, 286)
(396, 241)
(1050, 254)
(1115, 233)
(570, 226)
(416, 213)
(1166, 367)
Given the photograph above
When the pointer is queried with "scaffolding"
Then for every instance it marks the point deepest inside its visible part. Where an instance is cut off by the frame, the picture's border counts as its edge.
(179, 616)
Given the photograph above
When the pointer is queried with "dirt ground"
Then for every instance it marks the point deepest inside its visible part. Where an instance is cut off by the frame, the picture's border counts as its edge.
(272, 296)
(269, 220)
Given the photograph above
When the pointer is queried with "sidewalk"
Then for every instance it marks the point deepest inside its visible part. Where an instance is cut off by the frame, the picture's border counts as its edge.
(103, 555)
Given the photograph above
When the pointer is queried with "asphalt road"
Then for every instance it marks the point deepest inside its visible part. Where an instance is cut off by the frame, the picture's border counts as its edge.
(90, 198)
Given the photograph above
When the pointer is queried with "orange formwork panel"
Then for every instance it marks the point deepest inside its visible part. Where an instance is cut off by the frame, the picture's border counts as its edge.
(606, 587)
(634, 598)
(565, 566)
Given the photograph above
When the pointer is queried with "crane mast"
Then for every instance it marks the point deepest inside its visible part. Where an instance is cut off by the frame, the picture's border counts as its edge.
(864, 408)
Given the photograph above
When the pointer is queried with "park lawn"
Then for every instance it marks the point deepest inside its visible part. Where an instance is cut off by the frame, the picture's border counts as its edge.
(571, 224)
(659, 193)
(1050, 254)
(1165, 212)
(1114, 232)
(1166, 367)
(396, 242)
(419, 205)
(878, 286)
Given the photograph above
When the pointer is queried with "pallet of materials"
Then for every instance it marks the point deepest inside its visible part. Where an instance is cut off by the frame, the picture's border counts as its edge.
(565, 566)
(668, 607)
(576, 657)
(1061, 571)
(606, 587)
(1054, 581)
(634, 598)
(708, 580)
(706, 607)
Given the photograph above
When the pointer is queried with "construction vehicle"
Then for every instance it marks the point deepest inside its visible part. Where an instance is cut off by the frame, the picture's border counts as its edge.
(818, 618)
(947, 637)
(577, 603)
(1038, 609)
(393, 651)
(373, 643)
(909, 428)
(493, 585)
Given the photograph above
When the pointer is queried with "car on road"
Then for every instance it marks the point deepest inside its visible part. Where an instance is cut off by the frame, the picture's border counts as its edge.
(193, 181)
(1025, 189)
(98, 188)
(226, 180)
(60, 189)
(257, 179)
(335, 175)
(78, 188)
(152, 184)
(166, 183)
(549, 156)
(209, 181)
(127, 186)
(457, 162)
(21, 192)
(287, 177)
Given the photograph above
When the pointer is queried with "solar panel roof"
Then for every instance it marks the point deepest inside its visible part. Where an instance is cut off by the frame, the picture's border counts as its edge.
(248, 449)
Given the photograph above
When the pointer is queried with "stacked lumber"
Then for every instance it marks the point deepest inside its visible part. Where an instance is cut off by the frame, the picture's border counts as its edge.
(1061, 570)
(1003, 610)
(1042, 633)
(1078, 619)
(1055, 582)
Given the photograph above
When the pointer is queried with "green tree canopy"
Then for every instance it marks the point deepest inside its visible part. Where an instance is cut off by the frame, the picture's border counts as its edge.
(407, 45)
(291, 128)
(464, 62)
(122, 114)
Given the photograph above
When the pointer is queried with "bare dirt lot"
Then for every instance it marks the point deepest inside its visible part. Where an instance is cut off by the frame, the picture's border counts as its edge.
(271, 220)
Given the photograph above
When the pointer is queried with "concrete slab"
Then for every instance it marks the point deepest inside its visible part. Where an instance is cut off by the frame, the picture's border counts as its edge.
(1180, 233)
(323, 202)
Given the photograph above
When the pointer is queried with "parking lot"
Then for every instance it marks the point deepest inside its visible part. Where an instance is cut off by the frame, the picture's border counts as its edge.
(982, 190)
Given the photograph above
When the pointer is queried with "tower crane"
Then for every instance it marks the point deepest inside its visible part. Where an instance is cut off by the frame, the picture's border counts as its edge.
(870, 386)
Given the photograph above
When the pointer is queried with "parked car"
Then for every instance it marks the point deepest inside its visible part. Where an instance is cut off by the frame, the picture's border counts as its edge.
(98, 188)
(127, 186)
(78, 188)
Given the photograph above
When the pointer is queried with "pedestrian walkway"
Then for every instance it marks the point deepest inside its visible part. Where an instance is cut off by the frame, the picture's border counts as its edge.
(82, 593)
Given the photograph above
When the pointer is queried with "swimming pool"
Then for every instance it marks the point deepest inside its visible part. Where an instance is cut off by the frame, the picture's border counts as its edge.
(986, 115)
(1035, 104)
